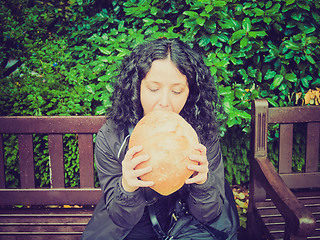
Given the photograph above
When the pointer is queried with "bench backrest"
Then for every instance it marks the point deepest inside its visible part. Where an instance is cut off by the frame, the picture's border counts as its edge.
(54, 127)
(286, 117)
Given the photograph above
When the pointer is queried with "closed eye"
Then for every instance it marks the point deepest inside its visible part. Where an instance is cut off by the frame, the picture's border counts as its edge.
(177, 92)
(153, 89)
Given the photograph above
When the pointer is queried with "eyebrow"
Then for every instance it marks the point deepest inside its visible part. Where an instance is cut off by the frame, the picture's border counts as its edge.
(159, 83)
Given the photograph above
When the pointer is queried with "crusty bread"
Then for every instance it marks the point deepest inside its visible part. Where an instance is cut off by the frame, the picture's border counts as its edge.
(169, 140)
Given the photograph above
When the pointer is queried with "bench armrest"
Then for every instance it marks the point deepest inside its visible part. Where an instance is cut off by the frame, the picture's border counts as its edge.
(299, 219)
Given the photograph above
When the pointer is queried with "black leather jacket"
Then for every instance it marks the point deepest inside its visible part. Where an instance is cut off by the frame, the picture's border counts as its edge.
(118, 211)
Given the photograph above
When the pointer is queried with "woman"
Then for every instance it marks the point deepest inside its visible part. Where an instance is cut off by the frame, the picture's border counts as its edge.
(161, 74)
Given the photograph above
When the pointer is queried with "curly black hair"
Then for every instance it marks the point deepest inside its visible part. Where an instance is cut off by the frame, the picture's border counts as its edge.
(200, 110)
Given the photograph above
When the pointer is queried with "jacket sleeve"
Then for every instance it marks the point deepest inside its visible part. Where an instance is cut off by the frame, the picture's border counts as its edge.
(206, 200)
(125, 208)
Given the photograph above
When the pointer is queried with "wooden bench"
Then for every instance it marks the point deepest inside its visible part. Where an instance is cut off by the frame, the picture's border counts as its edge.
(284, 204)
(39, 220)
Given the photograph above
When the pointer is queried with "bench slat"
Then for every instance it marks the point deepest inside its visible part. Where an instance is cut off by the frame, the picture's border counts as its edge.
(52, 124)
(300, 114)
(285, 148)
(275, 222)
(26, 161)
(312, 148)
(68, 196)
(86, 160)
(301, 180)
(56, 160)
(2, 171)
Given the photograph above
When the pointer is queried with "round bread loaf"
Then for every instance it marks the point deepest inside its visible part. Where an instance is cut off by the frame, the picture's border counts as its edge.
(169, 140)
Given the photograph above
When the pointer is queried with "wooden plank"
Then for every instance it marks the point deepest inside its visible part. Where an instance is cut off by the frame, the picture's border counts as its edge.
(261, 128)
(294, 114)
(86, 166)
(56, 160)
(2, 170)
(285, 148)
(26, 161)
(302, 180)
(39, 236)
(312, 148)
(51, 124)
(72, 196)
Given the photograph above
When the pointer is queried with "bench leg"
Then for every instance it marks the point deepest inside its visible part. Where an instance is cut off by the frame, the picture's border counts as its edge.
(253, 226)
(289, 236)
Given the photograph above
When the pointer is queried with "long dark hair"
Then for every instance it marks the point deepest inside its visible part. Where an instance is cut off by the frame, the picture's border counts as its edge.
(200, 109)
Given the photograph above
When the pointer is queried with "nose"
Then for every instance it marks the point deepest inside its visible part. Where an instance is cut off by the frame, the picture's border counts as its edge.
(164, 100)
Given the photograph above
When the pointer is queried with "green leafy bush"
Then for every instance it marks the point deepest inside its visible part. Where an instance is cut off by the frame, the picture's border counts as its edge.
(72, 51)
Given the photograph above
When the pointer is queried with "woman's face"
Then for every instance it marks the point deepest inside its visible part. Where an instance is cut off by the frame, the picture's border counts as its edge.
(164, 87)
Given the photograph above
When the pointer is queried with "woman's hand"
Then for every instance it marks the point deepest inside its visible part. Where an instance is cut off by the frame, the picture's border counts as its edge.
(130, 176)
(201, 170)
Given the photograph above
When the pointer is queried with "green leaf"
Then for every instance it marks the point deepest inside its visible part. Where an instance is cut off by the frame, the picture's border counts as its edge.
(270, 74)
(258, 12)
(305, 82)
(191, 14)
(273, 102)
(103, 59)
(204, 42)
(148, 21)
(200, 21)
(293, 46)
(237, 35)
(243, 114)
(256, 34)
(100, 110)
(154, 11)
(296, 16)
(267, 20)
(274, 9)
(291, 77)
(244, 42)
(316, 83)
(208, 8)
(219, 3)
(288, 2)
(277, 80)
(246, 24)
(104, 78)
(310, 59)
(104, 50)
(304, 5)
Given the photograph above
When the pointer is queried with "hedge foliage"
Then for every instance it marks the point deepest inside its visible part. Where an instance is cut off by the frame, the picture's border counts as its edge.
(71, 51)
